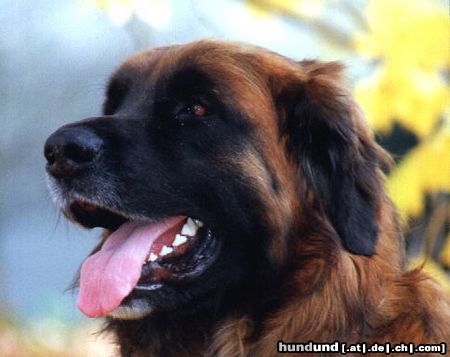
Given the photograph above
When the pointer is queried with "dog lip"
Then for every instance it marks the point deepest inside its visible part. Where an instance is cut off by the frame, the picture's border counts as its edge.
(91, 215)
(80, 210)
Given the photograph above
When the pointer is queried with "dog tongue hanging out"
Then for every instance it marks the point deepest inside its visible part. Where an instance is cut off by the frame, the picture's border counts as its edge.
(109, 275)
(243, 205)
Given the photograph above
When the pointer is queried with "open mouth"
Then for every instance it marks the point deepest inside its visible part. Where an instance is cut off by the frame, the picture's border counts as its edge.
(139, 257)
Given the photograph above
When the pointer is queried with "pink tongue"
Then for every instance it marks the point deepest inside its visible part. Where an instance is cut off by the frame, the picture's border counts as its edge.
(109, 275)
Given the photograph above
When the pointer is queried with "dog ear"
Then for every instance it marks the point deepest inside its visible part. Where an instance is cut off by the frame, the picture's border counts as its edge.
(336, 154)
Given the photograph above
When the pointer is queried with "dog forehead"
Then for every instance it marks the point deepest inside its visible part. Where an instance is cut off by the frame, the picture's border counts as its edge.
(224, 60)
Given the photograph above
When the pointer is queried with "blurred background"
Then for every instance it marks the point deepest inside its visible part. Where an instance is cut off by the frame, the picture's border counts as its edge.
(55, 57)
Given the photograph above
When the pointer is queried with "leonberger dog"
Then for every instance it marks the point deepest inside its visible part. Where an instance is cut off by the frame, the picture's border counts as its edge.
(242, 198)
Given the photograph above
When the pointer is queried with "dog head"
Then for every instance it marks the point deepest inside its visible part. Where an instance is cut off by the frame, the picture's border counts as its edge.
(208, 162)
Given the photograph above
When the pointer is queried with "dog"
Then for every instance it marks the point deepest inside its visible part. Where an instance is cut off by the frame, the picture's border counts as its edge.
(241, 196)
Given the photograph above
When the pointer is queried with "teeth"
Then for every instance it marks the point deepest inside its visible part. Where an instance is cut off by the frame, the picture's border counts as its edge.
(189, 228)
(179, 240)
(165, 250)
(152, 257)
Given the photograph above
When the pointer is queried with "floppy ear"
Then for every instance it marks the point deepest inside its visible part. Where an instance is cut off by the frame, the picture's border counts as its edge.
(336, 153)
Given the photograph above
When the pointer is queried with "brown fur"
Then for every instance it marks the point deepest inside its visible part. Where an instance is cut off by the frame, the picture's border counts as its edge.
(326, 293)
(331, 293)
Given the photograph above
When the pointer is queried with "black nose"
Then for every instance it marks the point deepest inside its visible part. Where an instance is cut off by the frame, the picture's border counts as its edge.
(70, 149)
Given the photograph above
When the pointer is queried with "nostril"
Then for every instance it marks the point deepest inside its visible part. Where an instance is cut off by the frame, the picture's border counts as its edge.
(79, 154)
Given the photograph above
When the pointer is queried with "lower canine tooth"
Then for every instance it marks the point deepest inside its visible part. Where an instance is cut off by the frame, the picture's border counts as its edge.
(165, 250)
(179, 240)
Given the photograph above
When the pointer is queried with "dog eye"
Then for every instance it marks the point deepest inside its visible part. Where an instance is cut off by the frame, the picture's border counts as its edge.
(197, 109)
(193, 112)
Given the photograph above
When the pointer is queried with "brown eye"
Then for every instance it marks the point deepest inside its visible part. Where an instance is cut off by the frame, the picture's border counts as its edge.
(198, 110)
(195, 112)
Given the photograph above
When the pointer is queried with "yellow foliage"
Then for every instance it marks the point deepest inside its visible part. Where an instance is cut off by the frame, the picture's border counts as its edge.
(409, 96)
(300, 8)
(410, 41)
(410, 38)
(257, 11)
(432, 269)
(306, 8)
(425, 169)
(407, 32)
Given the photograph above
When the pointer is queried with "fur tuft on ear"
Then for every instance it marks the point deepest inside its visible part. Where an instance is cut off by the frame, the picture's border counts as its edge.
(337, 154)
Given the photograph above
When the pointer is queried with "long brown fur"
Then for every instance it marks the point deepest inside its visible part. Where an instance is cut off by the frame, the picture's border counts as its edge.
(330, 293)
(325, 293)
